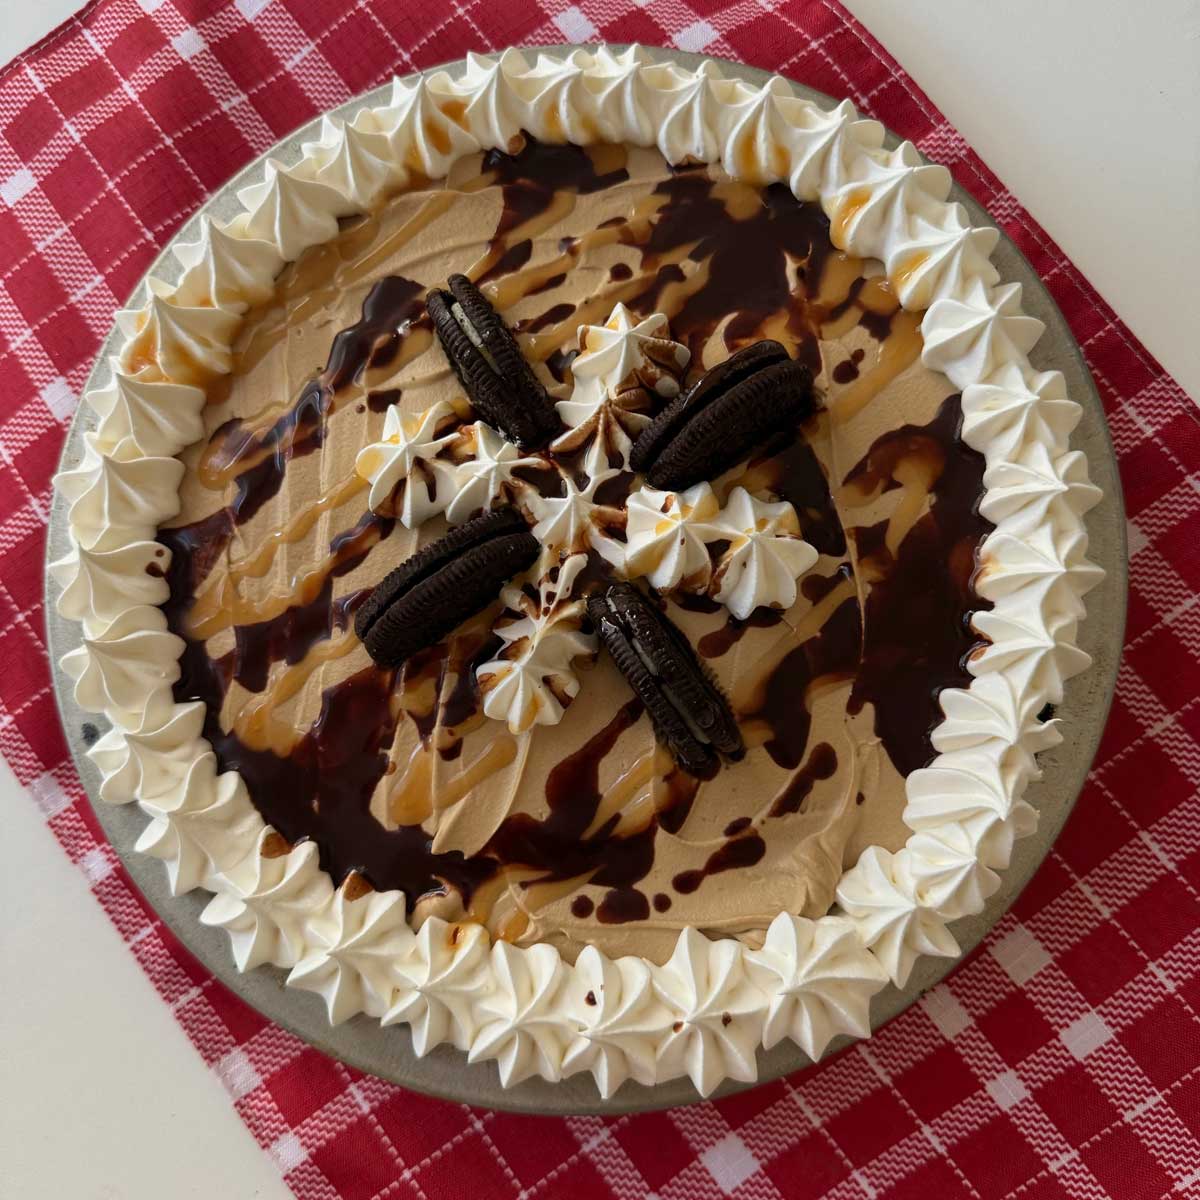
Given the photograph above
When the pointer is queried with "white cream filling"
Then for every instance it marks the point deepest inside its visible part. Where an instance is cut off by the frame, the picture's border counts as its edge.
(456, 310)
(669, 693)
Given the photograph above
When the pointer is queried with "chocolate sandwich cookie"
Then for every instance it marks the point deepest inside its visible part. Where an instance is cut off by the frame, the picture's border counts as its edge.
(439, 587)
(723, 416)
(690, 715)
(489, 364)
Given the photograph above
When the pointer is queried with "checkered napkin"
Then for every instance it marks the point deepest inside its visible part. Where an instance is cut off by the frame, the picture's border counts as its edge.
(1062, 1060)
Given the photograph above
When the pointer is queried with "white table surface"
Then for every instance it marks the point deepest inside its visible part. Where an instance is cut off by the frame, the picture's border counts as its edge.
(1112, 102)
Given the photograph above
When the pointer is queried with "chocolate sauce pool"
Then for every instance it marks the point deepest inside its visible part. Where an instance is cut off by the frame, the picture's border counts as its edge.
(918, 634)
(914, 640)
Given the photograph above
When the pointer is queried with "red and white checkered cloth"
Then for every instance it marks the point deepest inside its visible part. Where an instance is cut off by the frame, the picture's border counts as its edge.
(1063, 1059)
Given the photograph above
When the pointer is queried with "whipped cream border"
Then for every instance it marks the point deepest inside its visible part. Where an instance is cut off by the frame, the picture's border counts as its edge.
(704, 1012)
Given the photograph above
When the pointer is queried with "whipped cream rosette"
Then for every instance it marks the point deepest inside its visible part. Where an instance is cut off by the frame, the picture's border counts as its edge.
(578, 519)
(668, 534)
(625, 369)
(532, 680)
(484, 474)
(406, 475)
(766, 555)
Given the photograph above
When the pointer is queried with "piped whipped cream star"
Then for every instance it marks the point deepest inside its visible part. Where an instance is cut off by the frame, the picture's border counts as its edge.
(487, 475)
(668, 534)
(879, 894)
(821, 979)
(531, 682)
(766, 556)
(718, 1019)
(519, 1025)
(350, 959)
(437, 982)
(625, 370)
(574, 520)
(619, 1015)
(266, 909)
(407, 454)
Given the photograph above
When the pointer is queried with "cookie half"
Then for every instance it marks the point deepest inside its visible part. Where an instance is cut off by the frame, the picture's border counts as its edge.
(690, 715)
(723, 416)
(439, 587)
(489, 364)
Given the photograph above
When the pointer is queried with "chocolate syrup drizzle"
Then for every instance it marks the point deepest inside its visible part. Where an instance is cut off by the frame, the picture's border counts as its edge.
(392, 306)
(747, 262)
(917, 631)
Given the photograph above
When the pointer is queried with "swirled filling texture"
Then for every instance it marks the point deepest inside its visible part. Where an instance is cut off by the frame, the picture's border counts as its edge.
(582, 831)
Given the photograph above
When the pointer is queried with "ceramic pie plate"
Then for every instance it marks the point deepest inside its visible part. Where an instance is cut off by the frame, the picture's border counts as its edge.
(444, 1072)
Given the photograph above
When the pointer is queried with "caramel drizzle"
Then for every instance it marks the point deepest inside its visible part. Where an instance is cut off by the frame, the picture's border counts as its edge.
(628, 797)
(898, 352)
(530, 897)
(256, 725)
(561, 205)
(315, 283)
(419, 795)
(836, 318)
(219, 603)
(319, 278)
(746, 157)
(749, 696)
(141, 358)
(594, 310)
(218, 467)
(141, 355)
(916, 477)
(487, 895)
(852, 204)
(304, 290)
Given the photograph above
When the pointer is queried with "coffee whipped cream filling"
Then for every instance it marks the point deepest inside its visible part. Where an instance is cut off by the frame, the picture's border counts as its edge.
(581, 832)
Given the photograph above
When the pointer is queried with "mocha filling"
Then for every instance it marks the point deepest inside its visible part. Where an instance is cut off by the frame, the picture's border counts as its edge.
(760, 272)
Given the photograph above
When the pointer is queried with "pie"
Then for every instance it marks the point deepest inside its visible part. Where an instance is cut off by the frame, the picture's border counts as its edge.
(691, 731)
